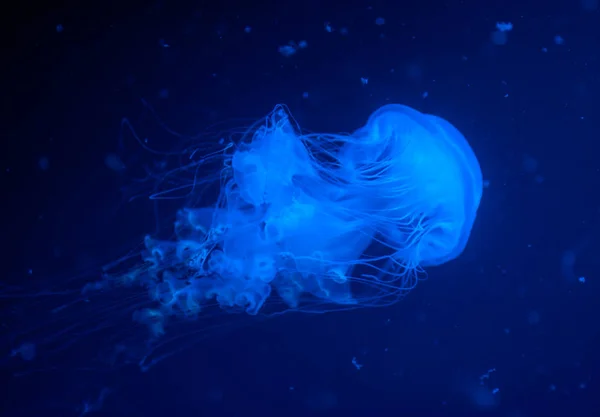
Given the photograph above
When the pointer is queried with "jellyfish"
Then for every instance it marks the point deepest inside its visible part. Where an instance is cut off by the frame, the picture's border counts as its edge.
(346, 220)
(304, 222)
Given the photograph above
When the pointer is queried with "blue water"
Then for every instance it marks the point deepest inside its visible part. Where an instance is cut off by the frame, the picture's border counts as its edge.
(508, 329)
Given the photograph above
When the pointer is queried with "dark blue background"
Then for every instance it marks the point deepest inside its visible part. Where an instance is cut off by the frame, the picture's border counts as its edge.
(64, 95)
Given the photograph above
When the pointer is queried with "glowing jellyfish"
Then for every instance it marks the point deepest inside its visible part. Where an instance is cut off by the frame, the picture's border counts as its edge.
(348, 220)
(303, 222)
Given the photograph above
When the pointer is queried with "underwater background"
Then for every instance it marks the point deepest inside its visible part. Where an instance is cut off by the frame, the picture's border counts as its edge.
(510, 328)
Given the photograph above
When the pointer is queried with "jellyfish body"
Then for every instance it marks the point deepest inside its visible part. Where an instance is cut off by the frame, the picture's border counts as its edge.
(347, 220)
(301, 222)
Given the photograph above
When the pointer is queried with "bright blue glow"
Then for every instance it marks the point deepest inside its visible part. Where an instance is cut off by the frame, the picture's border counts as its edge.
(298, 222)
(317, 221)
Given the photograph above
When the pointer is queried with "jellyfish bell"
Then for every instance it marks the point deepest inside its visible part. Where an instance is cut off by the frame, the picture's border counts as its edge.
(424, 177)
(471, 181)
